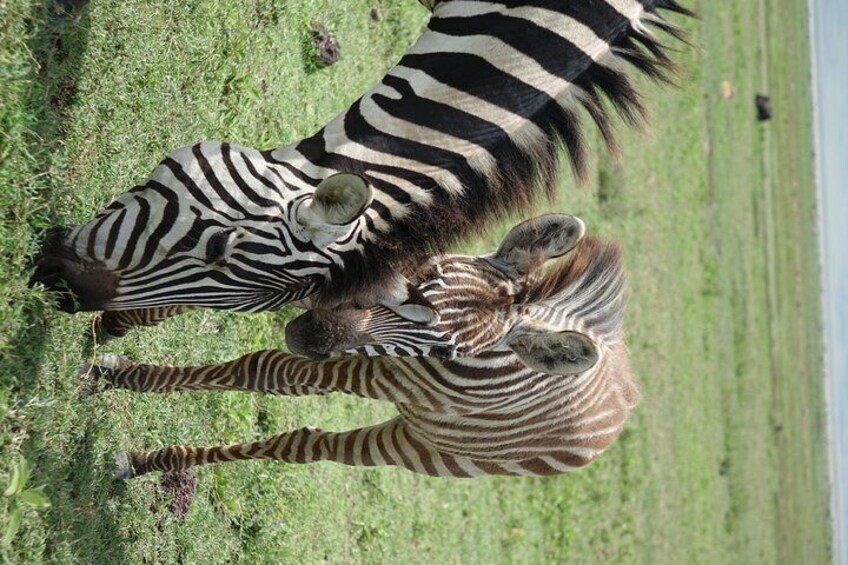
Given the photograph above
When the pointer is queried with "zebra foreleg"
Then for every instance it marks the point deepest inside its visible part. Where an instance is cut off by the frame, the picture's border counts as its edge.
(305, 445)
(389, 443)
(270, 371)
(116, 323)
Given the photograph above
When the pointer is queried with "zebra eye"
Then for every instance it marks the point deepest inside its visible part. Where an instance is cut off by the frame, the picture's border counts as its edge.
(216, 247)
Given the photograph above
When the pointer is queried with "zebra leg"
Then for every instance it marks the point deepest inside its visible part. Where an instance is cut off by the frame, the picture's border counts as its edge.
(389, 443)
(306, 445)
(116, 323)
(270, 371)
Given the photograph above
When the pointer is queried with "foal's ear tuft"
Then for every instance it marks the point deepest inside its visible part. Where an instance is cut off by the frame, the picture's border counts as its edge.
(338, 200)
(557, 353)
(531, 243)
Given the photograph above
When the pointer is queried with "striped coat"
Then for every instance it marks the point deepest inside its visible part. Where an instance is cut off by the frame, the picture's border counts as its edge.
(466, 127)
(532, 375)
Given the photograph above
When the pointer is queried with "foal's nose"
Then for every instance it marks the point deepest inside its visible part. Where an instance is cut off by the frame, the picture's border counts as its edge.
(319, 333)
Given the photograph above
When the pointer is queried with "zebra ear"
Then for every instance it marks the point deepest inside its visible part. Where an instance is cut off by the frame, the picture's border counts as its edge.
(531, 243)
(558, 353)
(338, 200)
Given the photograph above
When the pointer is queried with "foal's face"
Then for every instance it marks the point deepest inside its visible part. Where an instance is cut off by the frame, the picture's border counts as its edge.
(480, 301)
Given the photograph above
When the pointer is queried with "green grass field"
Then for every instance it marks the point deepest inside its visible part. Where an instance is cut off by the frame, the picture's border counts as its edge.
(724, 462)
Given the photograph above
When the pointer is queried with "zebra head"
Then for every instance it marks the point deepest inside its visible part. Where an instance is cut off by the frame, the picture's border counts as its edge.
(215, 225)
(556, 320)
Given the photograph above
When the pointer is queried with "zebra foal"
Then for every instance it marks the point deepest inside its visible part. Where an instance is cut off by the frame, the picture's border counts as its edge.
(526, 372)
(466, 127)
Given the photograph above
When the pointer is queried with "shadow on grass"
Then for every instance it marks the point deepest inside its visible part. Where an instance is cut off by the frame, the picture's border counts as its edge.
(57, 42)
(81, 520)
(85, 500)
(83, 494)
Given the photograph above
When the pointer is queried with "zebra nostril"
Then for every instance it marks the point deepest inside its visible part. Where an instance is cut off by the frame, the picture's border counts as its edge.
(49, 265)
(68, 302)
(78, 285)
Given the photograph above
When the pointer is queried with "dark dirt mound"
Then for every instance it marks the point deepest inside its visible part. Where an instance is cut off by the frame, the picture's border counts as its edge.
(181, 485)
(327, 49)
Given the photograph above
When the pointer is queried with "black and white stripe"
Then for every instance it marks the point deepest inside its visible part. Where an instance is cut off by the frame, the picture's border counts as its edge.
(467, 126)
(483, 414)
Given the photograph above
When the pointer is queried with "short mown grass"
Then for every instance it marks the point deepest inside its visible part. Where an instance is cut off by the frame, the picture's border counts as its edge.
(723, 462)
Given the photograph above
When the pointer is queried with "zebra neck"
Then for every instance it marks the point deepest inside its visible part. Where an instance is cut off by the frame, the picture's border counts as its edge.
(467, 126)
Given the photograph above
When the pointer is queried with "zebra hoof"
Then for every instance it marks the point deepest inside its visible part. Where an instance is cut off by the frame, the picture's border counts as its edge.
(100, 375)
(111, 361)
(123, 467)
(103, 364)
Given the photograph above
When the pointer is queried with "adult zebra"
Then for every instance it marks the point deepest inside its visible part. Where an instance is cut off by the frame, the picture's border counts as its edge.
(534, 380)
(465, 127)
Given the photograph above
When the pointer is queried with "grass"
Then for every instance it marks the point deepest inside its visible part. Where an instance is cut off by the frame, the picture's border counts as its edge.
(724, 461)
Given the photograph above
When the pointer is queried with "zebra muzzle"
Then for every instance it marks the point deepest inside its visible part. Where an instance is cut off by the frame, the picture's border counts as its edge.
(79, 284)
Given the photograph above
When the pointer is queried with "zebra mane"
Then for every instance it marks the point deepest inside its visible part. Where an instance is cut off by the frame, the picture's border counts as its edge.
(589, 284)
(514, 167)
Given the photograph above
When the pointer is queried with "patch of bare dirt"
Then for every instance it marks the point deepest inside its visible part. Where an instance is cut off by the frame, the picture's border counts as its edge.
(181, 487)
(328, 51)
